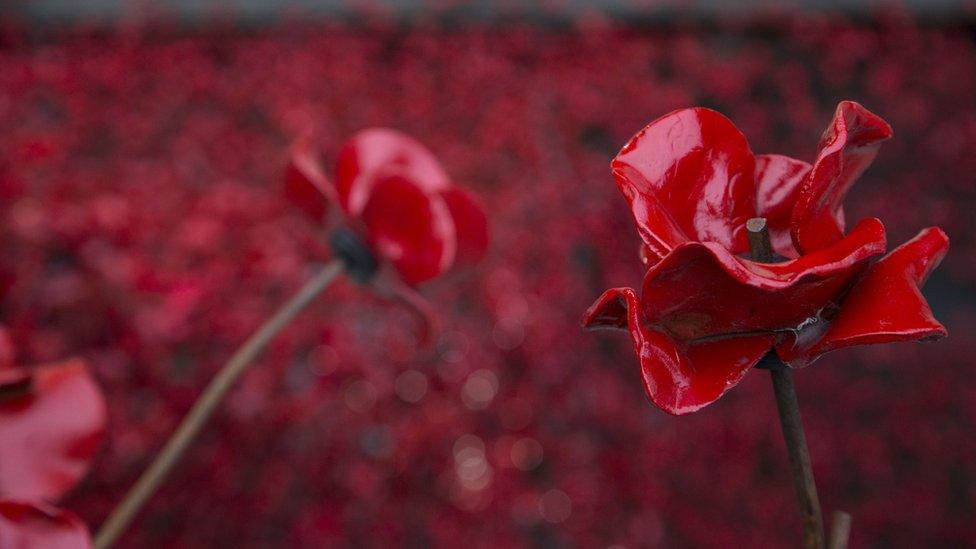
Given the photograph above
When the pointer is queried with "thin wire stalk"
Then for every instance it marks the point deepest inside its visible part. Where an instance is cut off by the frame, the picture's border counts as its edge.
(789, 414)
(205, 405)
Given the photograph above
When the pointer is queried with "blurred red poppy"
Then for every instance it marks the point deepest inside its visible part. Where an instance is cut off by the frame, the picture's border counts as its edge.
(395, 194)
(32, 525)
(707, 313)
(52, 420)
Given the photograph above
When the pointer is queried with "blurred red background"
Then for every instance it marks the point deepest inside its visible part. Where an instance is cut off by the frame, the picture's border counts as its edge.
(143, 228)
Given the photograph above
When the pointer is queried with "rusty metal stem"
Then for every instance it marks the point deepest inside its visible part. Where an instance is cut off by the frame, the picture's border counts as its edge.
(796, 447)
(789, 415)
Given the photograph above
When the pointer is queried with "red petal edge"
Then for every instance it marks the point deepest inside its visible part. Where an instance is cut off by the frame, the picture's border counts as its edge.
(688, 175)
(383, 149)
(306, 184)
(37, 526)
(778, 180)
(409, 228)
(470, 224)
(51, 432)
(702, 290)
(886, 305)
(847, 148)
(679, 378)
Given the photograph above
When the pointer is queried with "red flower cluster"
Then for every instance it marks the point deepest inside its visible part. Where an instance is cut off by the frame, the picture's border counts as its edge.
(141, 231)
(52, 421)
(708, 313)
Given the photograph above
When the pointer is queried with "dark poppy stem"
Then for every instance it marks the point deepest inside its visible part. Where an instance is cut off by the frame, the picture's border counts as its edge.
(789, 414)
(796, 447)
(207, 403)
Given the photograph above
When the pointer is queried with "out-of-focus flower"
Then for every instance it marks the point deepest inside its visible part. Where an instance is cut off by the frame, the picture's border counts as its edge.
(146, 153)
(395, 194)
(52, 421)
(707, 313)
(26, 525)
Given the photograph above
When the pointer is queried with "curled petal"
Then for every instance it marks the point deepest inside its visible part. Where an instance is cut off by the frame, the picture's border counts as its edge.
(702, 290)
(847, 148)
(37, 526)
(410, 228)
(679, 378)
(383, 149)
(688, 175)
(778, 180)
(470, 223)
(50, 429)
(886, 304)
(612, 310)
(305, 182)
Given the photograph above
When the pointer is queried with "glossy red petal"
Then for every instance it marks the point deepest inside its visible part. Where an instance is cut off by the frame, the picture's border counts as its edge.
(679, 378)
(612, 310)
(778, 180)
(383, 149)
(409, 228)
(50, 432)
(847, 148)
(688, 175)
(885, 305)
(702, 290)
(470, 224)
(306, 184)
(37, 526)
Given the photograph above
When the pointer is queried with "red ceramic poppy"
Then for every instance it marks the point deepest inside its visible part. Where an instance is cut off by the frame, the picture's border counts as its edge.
(52, 420)
(707, 313)
(394, 193)
(37, 526)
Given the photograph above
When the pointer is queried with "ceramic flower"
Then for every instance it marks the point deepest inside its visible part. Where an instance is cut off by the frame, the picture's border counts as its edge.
(52, 421)
(36, 525)
(706, 313)
(395, 195)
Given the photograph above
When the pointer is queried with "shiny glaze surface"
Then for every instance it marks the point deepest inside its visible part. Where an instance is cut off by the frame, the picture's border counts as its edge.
(847, 148)
(707, 313)
(885, 306)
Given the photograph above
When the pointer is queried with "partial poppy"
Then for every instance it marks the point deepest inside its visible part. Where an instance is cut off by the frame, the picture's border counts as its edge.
(25, 525)
(52, 421)
(707, 312)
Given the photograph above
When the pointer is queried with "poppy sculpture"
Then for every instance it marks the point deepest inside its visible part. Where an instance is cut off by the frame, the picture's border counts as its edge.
(749, 265)
(396, 199)
(52, 422)
(400, 209)
(709, 310)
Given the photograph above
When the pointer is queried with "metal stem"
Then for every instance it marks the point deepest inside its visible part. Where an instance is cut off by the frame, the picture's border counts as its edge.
(205, 405)
(796, 447)
(789, 415)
